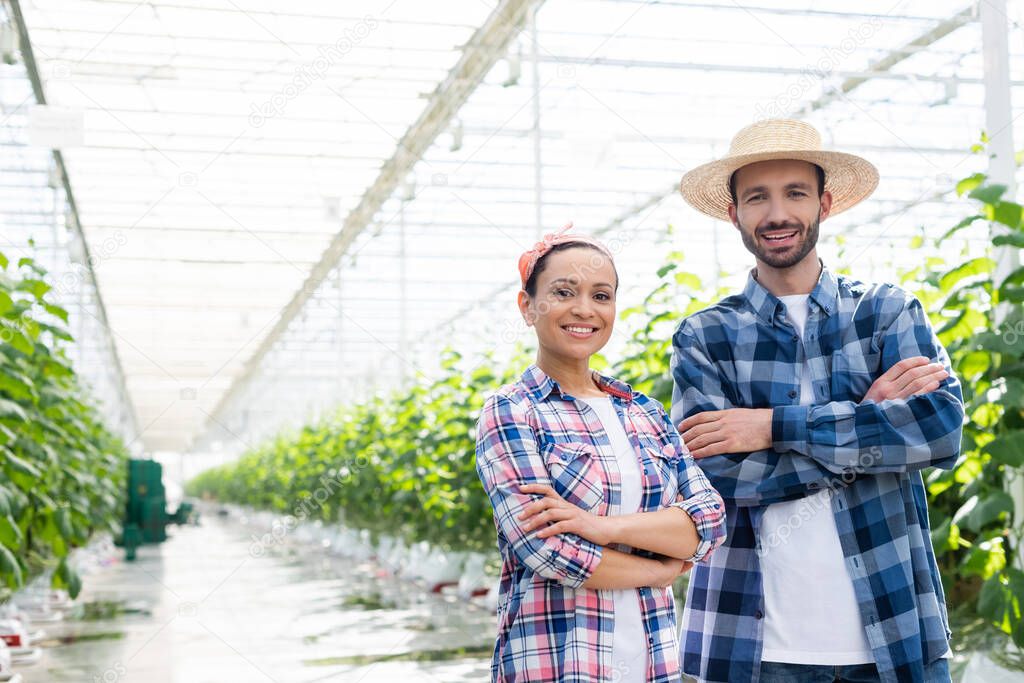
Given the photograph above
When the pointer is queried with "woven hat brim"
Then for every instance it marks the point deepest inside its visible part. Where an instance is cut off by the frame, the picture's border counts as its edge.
(849, 178)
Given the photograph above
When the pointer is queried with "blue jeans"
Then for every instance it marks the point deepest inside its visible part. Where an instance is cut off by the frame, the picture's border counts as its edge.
(777, 672)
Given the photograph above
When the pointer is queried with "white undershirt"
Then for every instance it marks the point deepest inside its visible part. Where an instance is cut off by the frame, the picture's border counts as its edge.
(810, 608)
(629, 642)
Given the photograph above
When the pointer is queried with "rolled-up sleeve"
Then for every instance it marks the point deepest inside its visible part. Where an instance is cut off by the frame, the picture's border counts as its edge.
(697, 498)
(507, 457)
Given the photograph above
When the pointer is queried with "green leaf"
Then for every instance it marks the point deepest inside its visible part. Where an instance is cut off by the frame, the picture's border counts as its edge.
(1007, 449)
(987, 193)
(10, 532)
(10, 570)
(1007, 213)
(666, 268)
(21, 466)
(11, 410)
(969, 183)
(66, 577)
(38, 288)
(1013, 239)
(1007, 342)
(5, 502)
(56, 310)
(940, 537)
(58, 332)
(960, 226)
(965, 509)
(988, 510)
(689, 281)
(1013, 393)
(985, 559)
(62, 517)
(992, 599)
(1016, 277)
(16, 336)
(964, 326)
(973, 364)
(1011, 294)
(977, 266)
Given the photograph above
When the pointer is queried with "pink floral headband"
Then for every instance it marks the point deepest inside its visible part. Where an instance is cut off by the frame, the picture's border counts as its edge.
(528, 260)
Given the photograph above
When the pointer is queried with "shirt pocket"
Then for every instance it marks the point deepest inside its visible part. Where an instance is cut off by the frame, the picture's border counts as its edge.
(664, 464)
(575, 473)
(853, 376)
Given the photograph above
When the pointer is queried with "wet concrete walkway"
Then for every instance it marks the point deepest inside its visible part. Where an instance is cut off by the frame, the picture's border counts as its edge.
(202, 607)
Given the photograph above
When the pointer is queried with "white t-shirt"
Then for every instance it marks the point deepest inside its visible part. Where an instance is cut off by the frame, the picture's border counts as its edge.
(810, 609)
(629, 641)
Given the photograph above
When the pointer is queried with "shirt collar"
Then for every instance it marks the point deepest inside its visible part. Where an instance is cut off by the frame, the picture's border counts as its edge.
(767, 305)
(540, 385)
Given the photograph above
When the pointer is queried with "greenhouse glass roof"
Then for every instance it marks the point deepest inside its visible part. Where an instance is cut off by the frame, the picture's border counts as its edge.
(288, 206)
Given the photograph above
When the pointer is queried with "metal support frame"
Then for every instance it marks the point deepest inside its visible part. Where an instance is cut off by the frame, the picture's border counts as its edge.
(32, 70)
(877, 69)
(486, 46)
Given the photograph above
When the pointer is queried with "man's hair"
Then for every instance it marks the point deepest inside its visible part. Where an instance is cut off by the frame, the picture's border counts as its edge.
(818, 169)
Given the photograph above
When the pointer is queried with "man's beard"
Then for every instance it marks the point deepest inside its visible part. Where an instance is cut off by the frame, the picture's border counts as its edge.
(791, 258)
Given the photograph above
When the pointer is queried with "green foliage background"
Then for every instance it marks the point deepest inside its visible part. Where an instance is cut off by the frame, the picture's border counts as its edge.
(62, 473)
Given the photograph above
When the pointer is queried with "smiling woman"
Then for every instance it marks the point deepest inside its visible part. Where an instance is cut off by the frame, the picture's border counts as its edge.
(597, 504)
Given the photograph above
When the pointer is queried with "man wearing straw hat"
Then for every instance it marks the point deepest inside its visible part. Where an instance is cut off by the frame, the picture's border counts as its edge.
(812, 401)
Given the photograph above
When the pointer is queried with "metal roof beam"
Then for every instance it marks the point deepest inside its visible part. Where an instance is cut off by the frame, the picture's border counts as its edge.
(487, 45)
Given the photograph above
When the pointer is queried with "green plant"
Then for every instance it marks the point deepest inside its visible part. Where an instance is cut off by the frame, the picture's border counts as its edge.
(401, 464)
(979, 321)
(63, 471)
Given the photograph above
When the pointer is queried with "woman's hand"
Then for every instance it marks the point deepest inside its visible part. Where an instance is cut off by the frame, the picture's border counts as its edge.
(672, 568)
(566, 517)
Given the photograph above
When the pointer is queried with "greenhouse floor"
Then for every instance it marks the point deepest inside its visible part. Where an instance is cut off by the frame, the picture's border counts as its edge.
(201, 607)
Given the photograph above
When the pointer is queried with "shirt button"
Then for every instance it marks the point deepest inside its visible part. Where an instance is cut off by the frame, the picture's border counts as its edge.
(796, 338)
(758, 614)
(792, 393)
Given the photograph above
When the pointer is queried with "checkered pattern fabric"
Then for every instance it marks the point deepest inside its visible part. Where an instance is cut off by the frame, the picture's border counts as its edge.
(744, 353)
(551, 628)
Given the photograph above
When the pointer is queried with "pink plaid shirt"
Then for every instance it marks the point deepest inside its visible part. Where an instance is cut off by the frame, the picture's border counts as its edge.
(550, 628)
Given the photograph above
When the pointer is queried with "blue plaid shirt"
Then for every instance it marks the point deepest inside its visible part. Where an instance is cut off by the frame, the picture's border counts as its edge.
(744, 353)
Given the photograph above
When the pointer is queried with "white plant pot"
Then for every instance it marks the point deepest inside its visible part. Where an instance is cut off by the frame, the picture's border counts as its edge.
(981, 669)
(6, 667)
(473, 577)
(443, 569)
(491, 601)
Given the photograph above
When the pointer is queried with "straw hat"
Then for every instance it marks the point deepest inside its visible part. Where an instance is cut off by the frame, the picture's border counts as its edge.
(849, 178)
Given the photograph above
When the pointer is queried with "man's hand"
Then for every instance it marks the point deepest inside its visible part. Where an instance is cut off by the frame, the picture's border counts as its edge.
(908, 377)
(567, 517)
(736, 430)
